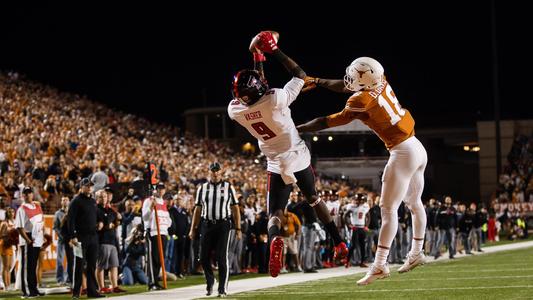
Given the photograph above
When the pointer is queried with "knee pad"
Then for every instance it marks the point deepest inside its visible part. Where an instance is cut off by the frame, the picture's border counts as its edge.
(314, 202)
(274, 221)
(387, 210)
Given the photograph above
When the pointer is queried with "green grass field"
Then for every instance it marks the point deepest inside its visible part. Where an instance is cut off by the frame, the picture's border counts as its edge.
(503, 275)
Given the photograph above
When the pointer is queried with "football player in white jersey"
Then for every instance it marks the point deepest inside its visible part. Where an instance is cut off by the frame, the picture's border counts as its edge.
(359, 219)
(265, 113)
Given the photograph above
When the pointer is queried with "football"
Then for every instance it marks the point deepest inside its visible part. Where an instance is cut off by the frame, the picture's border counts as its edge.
(255, 40)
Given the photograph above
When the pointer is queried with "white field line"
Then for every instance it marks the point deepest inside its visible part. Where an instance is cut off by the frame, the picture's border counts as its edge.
(351, 290)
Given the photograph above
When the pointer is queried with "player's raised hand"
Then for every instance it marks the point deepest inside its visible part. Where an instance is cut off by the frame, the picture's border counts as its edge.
(266, 41)
(309, 83)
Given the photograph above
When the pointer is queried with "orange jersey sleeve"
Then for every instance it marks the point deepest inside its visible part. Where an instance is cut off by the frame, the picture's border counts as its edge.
(354, 109)
(380, 110)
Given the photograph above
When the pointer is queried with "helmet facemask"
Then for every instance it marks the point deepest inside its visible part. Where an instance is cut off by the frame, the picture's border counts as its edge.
(248, 87)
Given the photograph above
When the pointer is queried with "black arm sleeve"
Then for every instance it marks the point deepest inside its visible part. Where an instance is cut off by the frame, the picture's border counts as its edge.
(289, 64)
(71, 220)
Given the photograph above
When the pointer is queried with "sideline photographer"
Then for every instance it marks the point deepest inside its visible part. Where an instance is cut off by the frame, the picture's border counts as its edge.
(132, 271)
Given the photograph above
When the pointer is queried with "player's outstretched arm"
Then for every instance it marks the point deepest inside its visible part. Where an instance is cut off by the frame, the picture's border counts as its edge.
(289, 64)
(337, 119)
(336, 85)
(268, 44)
(313, 125)
(259, 58)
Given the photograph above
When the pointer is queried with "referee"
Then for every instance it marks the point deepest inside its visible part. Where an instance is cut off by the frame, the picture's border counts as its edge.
(213, 201)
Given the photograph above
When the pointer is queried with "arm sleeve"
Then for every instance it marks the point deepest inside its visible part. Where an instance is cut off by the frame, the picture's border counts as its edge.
(233, 199)
(146, 211)
(57, 224)
(19, 218)
(355, 107)
(71, 219)
(198, 201)
(288, 94)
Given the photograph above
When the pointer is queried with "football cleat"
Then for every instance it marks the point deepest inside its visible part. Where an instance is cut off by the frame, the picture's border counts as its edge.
(341, 251)
(412, 262)
(375, 272)
(276, 254)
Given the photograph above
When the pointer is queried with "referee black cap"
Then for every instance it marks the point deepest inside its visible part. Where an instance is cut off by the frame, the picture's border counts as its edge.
(214, 167)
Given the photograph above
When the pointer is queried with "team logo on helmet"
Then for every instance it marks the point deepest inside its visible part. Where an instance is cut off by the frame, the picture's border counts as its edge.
(363, 73)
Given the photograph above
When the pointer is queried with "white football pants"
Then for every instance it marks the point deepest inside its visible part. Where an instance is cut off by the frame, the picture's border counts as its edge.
(403, 179)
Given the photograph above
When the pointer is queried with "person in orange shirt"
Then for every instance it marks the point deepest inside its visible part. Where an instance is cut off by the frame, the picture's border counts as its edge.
(291, 232)
(375, 104)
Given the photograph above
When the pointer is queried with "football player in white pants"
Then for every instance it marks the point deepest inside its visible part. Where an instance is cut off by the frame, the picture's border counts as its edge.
(375, 104)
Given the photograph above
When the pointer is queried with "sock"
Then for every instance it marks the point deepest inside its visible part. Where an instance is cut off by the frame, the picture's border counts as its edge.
(273, 231)
(332, 230)
(417, 245)
(381, 256)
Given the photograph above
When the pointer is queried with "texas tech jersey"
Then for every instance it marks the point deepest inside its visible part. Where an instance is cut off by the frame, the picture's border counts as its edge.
(269, 120)
(358, 215)
(380, 110)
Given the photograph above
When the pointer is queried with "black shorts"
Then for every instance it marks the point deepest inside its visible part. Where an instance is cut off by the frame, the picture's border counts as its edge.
(278, 192)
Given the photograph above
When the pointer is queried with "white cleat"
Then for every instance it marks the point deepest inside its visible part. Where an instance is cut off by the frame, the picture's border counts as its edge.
(375, 272)
(412, 262)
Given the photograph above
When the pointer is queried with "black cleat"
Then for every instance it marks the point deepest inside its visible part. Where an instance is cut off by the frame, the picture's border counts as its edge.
(209, 291)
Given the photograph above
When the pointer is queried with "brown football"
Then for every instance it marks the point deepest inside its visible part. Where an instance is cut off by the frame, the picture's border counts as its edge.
(255, 40)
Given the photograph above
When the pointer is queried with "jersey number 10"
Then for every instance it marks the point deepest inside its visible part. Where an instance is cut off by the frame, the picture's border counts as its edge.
(387, 102)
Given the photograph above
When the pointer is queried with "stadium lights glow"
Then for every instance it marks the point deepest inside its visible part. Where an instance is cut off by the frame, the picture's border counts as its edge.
(330, 138)
(315, 138)
(471, 148)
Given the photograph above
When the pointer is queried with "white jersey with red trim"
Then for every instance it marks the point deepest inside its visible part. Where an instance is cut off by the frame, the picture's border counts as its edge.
(358, 213)
(269, 121)
(149, 216)
(30, 217)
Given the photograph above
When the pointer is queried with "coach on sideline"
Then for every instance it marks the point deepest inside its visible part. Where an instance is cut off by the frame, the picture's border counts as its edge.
(81, 220)
(213, 201)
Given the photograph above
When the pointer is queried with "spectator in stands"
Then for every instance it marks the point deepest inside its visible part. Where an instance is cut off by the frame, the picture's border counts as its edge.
(100, 178)
(107, 221)
(466, 223)
(8, 239)
(431, 232)
(446, 224)
(61, 243)
(291, 233)
(373, 226)
(480, 218)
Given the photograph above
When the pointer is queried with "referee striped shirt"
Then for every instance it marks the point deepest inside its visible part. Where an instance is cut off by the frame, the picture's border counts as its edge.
(215, 198)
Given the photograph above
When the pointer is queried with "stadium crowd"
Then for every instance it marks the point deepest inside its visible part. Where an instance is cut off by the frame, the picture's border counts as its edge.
(50, 141)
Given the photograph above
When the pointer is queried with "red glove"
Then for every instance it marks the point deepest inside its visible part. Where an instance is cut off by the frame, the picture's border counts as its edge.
(259, 57)
(267, 42)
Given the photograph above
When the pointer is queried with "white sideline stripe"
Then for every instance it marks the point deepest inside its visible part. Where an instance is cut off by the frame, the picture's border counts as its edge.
(465, 278)
(476, 271)
(253, 284)
(269, 292)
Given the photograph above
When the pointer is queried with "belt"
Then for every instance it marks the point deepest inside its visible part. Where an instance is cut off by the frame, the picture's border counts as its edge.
(212, 222)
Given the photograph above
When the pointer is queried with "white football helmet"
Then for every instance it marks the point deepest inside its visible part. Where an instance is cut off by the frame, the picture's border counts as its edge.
(363, 73)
